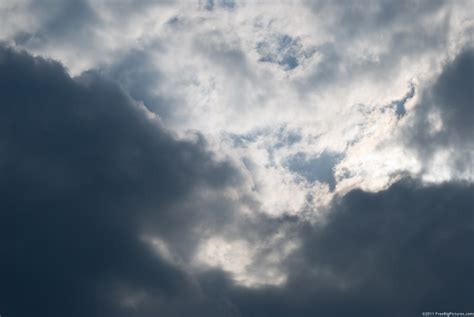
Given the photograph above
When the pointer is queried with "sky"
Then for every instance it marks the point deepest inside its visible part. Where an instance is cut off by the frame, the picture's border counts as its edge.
(236, 158)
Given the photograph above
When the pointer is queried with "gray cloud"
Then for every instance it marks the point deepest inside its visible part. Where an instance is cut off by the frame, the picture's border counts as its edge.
(398, 26)
(450, 100)
(60, 22)
(137, 75)
(83, 168)
(398, 252)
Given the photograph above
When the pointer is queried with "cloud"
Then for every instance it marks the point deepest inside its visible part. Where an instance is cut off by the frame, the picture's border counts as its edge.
(441, 125)
(93, 191)
(84, 169)
(401, 251)
(228, 158)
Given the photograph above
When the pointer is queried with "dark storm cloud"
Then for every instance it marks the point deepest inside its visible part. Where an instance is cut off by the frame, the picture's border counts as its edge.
(398, 252)
(82, 167)
(451, 100)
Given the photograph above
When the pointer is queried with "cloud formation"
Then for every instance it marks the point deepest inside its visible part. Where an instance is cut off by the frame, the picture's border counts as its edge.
(228, 158)
(84, 168)
(441, 127)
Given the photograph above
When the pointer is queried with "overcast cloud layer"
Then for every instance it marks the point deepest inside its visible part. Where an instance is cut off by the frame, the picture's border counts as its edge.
(227, 158)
